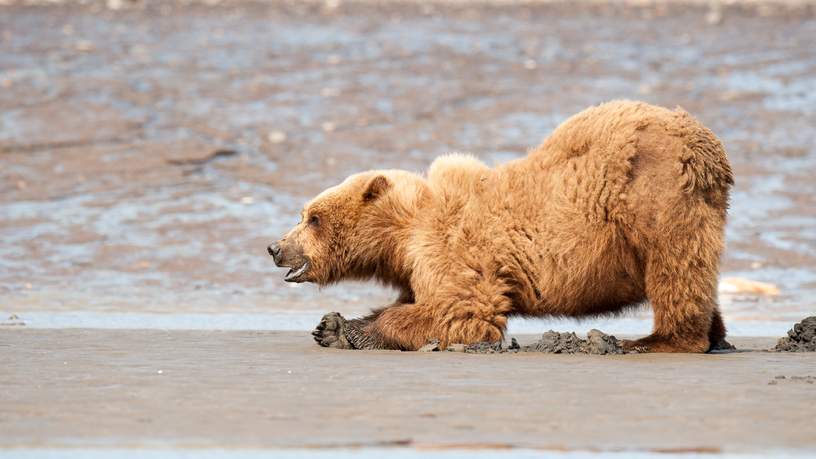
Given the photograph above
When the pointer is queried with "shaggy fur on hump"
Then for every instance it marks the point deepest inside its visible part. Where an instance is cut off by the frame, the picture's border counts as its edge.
(625, 202)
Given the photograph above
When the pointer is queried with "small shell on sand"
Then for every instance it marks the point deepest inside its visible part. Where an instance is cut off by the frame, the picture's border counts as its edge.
(13, 321)
(737, 285)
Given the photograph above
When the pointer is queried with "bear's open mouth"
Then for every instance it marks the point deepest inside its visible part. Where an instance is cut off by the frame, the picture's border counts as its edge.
(294, 274)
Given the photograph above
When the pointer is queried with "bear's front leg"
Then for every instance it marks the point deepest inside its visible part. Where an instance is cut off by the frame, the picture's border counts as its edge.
(337, 332)
(410, 326)
(369, 332)
(473, 314)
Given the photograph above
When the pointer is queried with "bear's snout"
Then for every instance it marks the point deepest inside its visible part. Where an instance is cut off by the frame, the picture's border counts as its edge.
(275, 250)
(290, 256)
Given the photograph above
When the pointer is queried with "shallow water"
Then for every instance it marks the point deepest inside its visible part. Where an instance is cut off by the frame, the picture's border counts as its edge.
(102, 227)
(303, 320)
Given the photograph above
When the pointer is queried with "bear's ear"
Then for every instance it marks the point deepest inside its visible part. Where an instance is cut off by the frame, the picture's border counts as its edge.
(375, 188)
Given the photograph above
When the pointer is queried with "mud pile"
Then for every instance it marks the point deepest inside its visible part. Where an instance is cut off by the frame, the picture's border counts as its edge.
(801, 338)
(597, 342)
(491, 348)
(552, 342)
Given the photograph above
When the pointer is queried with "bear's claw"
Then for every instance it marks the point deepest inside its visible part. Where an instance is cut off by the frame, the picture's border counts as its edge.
(331, 332)
(633, 347)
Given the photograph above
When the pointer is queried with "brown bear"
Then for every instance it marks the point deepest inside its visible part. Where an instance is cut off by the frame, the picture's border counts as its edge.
(625, 202)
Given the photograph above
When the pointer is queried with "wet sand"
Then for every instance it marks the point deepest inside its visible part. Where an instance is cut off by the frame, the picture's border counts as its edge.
(118, 218)
(208, 389)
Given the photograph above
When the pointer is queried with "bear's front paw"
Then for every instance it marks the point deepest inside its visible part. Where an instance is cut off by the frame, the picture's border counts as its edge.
(633, 347)
(331, 332)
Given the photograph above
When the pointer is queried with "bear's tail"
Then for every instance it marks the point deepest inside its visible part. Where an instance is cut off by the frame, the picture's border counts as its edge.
(705, 165)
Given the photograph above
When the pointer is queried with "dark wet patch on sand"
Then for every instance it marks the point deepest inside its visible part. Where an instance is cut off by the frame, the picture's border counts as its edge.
(801, 338)
(792, 379)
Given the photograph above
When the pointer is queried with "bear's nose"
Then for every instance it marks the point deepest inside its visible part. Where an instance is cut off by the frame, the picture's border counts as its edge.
(274, 250)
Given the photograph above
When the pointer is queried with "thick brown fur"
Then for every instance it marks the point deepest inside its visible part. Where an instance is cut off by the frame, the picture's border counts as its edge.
(625, 202)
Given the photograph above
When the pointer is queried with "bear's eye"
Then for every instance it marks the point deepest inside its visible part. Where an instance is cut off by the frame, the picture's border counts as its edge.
(314, 220)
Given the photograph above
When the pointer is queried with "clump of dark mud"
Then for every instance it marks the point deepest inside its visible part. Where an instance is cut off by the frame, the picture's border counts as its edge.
(491, 348)
(597, 342)
(600, 343)
(801, 338)
(484, 347)
(553, 342)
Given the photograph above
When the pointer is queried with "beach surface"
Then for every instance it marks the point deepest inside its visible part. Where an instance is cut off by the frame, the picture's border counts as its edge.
(151, 151)
(278, 390)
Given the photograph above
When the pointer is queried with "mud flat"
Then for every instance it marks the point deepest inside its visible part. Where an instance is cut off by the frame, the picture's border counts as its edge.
(146, 154)
(149, 155)
(210, 389)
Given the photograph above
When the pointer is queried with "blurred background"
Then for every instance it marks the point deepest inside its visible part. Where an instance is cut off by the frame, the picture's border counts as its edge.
(151, 150)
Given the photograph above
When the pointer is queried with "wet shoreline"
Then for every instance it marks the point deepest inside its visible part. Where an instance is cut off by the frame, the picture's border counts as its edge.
(631, 325)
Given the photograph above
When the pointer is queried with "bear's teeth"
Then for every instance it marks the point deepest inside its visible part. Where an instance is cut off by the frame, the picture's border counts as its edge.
(294, 275)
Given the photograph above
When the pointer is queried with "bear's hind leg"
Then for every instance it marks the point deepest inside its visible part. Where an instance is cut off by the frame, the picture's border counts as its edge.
(684, 313)
(681, 284)
(716, 334)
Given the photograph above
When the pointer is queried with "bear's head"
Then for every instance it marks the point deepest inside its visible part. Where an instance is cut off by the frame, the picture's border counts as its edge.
(351, 231)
